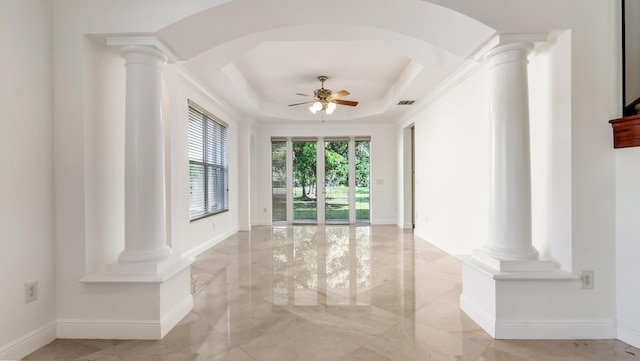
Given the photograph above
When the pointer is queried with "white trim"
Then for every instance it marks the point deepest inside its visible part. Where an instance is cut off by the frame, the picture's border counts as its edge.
(383, 222)
(464, 72)
(196, 85)
(125, 329)
(203, 247)
(141, 272)
(478, 315)
(509, 38)
(539, 330)
(109, 329)
(628, 334)
(556, 330)
(265, 222)
(441, 244)
(171, 319)
(28, 343)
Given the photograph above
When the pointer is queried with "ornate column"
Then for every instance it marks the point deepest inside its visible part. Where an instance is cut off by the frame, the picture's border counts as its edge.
(145, 239)
(510, 183)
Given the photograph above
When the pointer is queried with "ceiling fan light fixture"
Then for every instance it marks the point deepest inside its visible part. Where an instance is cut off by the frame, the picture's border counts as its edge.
(331, 107)
(315, 107)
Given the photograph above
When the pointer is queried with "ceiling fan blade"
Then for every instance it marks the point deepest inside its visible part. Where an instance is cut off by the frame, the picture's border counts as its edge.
(340, 94)
(305, 95)
(300, 103)
(346, 102)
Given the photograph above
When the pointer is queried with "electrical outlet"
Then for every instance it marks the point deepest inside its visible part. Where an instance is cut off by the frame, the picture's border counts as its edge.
(213, 226)
(587, 280)
(30, 291)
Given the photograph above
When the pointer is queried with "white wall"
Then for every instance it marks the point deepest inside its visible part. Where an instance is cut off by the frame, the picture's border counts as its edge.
(628, 244)
(550, 127)
(104, 153)
(452, 165)
(195, 237)
(26, 185)
(595, 95)
(383, 164)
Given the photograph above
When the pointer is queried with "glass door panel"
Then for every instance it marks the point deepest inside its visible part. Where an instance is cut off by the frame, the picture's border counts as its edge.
(336, 181)
(305, 209)
(363, 188)
(279, 181)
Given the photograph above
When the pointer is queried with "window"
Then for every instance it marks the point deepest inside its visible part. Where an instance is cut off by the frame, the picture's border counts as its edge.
(208, 167)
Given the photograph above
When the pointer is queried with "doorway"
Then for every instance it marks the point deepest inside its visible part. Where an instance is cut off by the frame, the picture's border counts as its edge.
(320, 180)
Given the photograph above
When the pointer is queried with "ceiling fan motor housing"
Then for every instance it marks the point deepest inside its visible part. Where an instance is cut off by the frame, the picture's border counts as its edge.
(322, 94)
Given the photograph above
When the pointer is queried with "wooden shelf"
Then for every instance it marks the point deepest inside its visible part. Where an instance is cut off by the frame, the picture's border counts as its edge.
(626, 131)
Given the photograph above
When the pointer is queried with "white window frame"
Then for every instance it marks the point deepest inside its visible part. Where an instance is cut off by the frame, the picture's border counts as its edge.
(208, 149)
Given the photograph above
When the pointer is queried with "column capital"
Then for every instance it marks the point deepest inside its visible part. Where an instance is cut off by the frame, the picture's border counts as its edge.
(526, 41)
(147, 44)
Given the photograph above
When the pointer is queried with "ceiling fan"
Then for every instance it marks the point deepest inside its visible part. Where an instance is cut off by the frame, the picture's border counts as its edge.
(324, 99)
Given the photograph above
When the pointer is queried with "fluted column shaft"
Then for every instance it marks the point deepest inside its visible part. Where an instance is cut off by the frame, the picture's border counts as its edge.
(145, 238)
(510, 174)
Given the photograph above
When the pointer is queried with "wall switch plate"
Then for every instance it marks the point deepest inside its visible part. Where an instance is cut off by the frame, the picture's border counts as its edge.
(587, 280)
(30, 291)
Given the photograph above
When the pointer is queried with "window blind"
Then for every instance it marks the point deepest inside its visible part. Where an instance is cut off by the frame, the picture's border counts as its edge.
(208, 165)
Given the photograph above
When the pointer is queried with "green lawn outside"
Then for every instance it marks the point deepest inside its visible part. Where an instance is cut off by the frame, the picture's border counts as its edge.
(337, 204)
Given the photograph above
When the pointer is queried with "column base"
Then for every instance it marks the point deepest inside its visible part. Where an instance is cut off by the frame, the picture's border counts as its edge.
(528, 304)
(157, 268)
(153, 256)
(133, 301)
(524, 265)
(526, 254)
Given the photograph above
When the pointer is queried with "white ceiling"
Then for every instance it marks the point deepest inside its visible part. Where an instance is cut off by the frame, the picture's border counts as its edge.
(256, 54)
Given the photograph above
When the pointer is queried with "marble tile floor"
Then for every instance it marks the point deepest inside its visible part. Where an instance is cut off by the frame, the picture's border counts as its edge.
(328, 293)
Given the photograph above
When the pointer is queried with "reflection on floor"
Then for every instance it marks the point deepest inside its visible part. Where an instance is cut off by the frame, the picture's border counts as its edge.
(329, 293)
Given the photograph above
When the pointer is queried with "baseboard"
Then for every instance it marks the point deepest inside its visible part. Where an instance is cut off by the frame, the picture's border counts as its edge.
(478, 315)
(442, 245)
(384, 222)
(176, 315)
(539, 330)
(125, 329)
(628, 334)
(261, 222)
(109, 329)
(556, 330)
(28, 343)
(203, 247)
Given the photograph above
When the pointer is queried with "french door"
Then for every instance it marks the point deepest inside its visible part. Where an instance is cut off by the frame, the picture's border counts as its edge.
(320, 180)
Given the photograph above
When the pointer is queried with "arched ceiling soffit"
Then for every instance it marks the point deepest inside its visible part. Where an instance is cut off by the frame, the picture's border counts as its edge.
(257, 54)
(434, 24)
